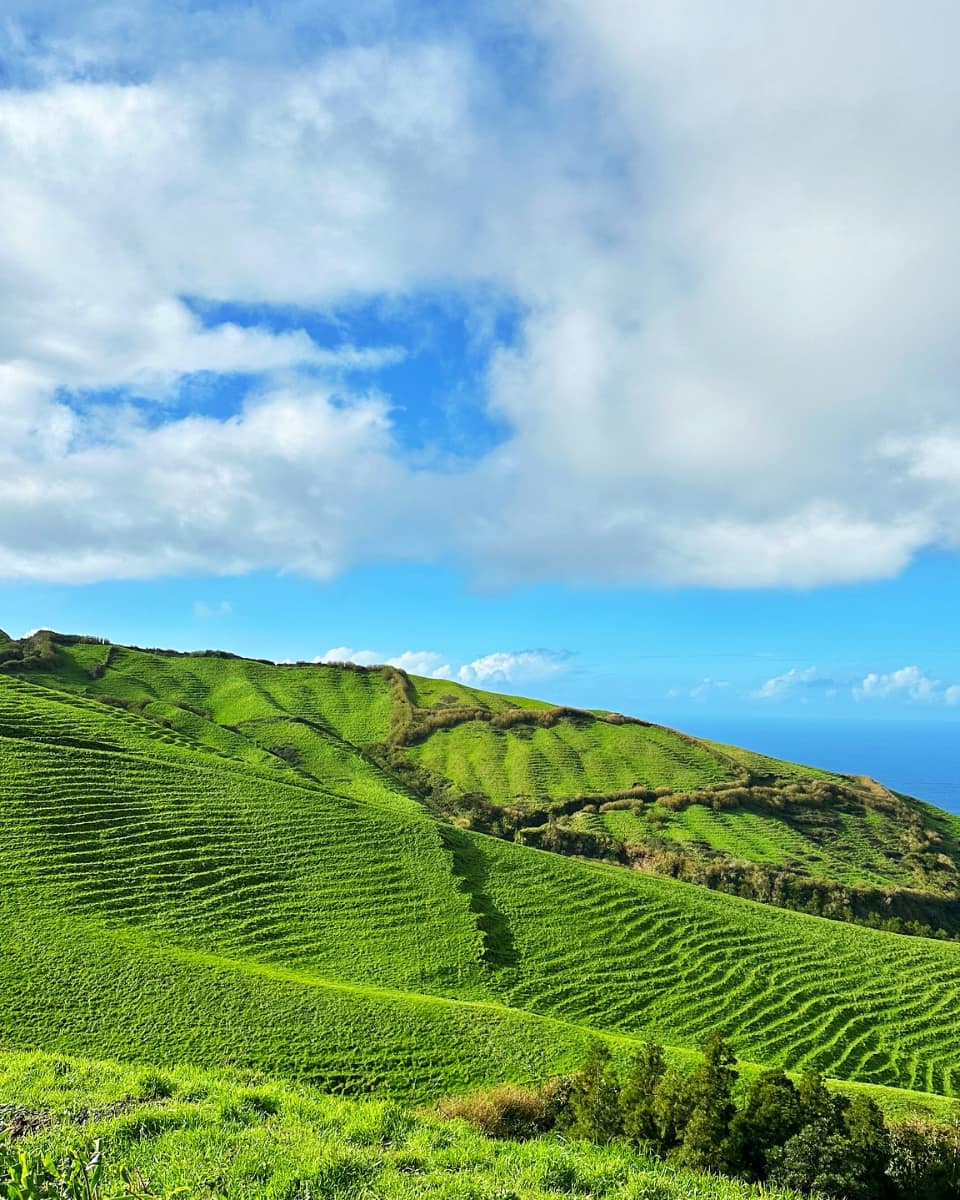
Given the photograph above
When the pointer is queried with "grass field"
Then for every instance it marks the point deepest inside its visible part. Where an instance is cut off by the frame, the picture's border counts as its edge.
(199, 862)
(725, 803)
(629, 952)
(567, 760)
(247, 1137)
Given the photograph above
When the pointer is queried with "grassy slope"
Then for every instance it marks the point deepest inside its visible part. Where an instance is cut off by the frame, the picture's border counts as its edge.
(566, 760)
(861, 839)
(318, 717)
(125, 827)
(629, 952)
(251, 1138)
(160, 897)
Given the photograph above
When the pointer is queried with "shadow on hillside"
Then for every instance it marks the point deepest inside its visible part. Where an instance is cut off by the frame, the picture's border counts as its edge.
(499, 948)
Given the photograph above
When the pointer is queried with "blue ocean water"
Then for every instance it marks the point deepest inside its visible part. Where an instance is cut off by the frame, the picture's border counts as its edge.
(921, 758)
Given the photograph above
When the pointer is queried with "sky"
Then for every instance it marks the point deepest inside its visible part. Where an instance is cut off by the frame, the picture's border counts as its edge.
(581, 349)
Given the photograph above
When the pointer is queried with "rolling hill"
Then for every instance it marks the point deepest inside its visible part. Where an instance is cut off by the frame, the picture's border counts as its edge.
(218, 861)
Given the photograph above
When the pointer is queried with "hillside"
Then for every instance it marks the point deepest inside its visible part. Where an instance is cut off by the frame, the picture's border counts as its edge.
(206, 859)
(249, 1139)
(595, 785)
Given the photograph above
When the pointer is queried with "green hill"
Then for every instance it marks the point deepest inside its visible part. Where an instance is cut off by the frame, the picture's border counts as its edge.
(602, 785)
(219, 861)
(593, 784)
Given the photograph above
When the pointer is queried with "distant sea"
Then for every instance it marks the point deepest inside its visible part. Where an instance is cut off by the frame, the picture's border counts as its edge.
(918, 757)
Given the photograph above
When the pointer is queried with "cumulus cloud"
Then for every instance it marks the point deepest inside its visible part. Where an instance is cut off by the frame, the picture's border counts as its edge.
(414, 662)
(908, 683)
(363, 658)
(794, 682)
(422, 662)
(730, 237)
(499, 667)
(514, 666)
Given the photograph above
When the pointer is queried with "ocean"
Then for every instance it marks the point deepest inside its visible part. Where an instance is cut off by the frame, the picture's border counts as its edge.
(918, 757)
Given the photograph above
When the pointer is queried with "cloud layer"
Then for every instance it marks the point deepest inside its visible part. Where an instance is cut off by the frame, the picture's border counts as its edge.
(731, 235)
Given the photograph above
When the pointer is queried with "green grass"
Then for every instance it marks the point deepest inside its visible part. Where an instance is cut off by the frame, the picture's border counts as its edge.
(839, 847)
(217, 873)
(771, 768)
(316, 719)
(247, 1137)
(861, 839)
(233, 862)
(634, 953)
(529, 767)
(429, 693)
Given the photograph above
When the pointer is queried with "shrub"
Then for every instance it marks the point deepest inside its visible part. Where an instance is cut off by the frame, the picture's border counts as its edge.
(925, 1161)
(594, 1109)
(507, 1111)
(638, 1095)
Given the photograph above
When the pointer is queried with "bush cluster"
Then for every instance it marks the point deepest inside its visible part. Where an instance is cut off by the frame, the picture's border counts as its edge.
(896, 910)
(412, 724)
(794, 1135)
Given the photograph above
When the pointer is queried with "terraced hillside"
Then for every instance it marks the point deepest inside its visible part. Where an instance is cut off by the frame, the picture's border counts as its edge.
(604, 786)
(201, 860)
(594, 784)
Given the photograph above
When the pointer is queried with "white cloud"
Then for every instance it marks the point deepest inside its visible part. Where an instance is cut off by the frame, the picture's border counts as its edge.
(908, 683)
(499, 667)
(363, 658)
(512, 667)
(414, 662)
(422, 662)
(732, 240)
(793, 682)
(204, 611)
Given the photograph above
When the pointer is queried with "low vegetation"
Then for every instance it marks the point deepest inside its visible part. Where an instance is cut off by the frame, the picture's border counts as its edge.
(304, 913)
(196, 1136)
(797, 1135)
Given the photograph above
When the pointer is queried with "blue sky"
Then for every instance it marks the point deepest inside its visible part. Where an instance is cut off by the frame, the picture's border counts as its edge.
(668, 654)
(561, 348)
